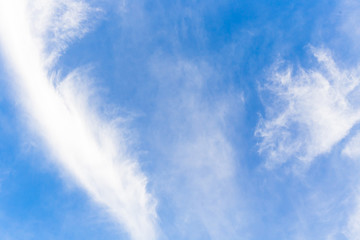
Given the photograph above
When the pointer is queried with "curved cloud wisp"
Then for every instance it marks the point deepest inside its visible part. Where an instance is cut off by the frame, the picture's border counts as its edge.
(92, 150)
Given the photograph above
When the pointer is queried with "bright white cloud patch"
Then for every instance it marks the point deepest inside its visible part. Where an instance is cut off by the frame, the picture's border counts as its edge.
(90, 149)
(308, 110)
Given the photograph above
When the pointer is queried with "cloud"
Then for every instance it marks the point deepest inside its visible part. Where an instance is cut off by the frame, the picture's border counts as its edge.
(308, 111)
(91, 149)
(352, 147)
(199, 179)
(352, 230)
(55, 24)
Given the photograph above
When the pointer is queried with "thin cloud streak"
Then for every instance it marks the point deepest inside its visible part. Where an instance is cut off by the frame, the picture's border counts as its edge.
(200, 176)
(91, 150)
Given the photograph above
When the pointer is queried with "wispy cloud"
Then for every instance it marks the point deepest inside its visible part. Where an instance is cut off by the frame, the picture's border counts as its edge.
(92, 150)
(55, 24)
(352, 147)
(352, 230)
(199, 178)
(308, 111)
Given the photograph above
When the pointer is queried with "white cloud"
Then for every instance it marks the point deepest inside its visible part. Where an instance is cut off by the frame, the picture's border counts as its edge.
(308, 111)
(90, 149)
(200, 182)
(352, 230)
(352, 147)
(55, 24)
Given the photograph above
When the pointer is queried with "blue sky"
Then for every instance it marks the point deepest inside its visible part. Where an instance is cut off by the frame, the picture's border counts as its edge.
(150, 120)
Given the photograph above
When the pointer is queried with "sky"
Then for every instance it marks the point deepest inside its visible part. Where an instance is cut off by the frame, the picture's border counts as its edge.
(183, 119)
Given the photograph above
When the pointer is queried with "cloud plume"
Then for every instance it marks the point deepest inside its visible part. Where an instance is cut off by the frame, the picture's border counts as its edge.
(90, 149)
